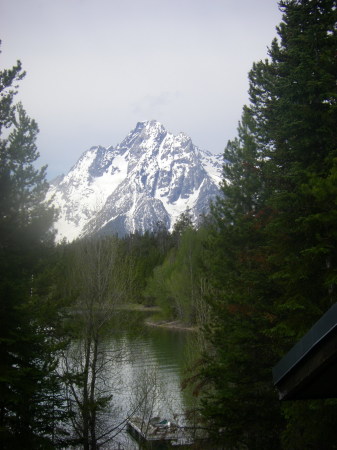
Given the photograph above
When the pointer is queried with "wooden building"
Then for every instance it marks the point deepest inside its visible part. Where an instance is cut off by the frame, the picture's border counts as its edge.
(309, 369)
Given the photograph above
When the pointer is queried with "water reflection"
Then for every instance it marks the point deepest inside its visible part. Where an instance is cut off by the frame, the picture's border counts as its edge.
(148, 371)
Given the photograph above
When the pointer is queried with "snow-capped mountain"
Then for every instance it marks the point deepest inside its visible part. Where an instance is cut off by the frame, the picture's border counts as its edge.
(152, 176)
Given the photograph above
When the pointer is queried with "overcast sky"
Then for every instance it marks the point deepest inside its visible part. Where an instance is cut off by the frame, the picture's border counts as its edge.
(97, 67)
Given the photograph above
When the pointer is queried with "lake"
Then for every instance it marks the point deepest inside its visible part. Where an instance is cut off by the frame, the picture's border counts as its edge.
(145, 373)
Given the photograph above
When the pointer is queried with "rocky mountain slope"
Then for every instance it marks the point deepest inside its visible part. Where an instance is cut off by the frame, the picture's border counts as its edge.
(152, 176)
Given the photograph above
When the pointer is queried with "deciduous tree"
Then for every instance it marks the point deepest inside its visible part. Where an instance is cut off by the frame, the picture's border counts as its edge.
(98, 287)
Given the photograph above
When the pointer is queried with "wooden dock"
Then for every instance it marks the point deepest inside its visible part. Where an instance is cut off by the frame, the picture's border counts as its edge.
(158, 435)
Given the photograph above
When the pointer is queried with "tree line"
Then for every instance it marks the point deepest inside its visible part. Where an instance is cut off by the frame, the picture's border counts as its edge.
(252, 278)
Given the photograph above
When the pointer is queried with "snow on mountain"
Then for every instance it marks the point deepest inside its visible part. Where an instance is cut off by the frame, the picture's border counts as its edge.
(152, 176)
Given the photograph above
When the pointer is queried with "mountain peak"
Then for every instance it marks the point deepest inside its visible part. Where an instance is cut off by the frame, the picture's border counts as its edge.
(152, 176)
(149, 125)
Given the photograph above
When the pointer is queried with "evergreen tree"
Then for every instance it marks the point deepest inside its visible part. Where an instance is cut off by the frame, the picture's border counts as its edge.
(273, 261)
(236, 368)
(183, 223)
(302, 236)
(29, 386)
(300, 127)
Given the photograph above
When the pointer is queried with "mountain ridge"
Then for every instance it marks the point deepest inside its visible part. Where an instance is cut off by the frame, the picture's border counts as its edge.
(151, 176)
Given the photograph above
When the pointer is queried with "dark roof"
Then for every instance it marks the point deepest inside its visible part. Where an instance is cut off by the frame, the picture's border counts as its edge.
(309, 369)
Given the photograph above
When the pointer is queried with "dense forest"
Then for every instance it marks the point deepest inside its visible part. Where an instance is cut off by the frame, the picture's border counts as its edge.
(256, 274)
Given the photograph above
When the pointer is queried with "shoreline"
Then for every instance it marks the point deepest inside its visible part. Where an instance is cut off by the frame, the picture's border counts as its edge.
(138, 307)
(169, 324)
(173, 325)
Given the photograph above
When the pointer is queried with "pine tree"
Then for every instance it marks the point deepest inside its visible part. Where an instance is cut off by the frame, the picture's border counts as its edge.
(273, 259)
(240, 398)
(302, 236)
(303, 145)
(29, 386)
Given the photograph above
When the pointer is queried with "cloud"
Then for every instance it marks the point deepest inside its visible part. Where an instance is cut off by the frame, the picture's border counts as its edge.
(96, 67)
(150, 104)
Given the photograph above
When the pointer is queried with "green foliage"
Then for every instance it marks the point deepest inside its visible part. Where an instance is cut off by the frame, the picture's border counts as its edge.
(158, 286)
(178, 284)
(30, 401)
(272, 260)
(236, 367)
(139, 255)
(183, 223)
(310, 425)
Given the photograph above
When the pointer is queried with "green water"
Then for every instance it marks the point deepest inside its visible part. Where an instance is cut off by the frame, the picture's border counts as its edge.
(148, 362)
